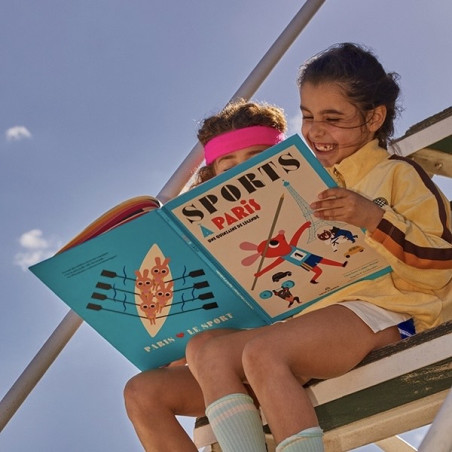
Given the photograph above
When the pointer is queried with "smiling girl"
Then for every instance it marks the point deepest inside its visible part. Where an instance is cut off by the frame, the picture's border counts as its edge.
(154, 398)
(348, 103)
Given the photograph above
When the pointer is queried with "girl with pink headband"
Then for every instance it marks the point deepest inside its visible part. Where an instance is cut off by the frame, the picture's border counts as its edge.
(237, 132)
(154, 398)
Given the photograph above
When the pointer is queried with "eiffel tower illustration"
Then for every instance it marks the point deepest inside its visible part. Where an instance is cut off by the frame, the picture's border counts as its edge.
(316, 223)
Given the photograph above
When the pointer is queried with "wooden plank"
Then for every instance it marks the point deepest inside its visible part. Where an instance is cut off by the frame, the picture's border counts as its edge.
(386, 395)
(383, 425)
(422, 138)
(395, 444)
(394, 389)
(365, 431)
(434, 162)
(385, 364)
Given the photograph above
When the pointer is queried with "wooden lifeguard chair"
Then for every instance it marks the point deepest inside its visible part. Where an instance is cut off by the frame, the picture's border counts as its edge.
(395, 389)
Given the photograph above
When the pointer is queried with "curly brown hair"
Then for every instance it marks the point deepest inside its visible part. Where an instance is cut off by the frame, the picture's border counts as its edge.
(237, 115)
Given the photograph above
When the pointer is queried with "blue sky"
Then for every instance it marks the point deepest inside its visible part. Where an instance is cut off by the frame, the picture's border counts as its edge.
(100, 101)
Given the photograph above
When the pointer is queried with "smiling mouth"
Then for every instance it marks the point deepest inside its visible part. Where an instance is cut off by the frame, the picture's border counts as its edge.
(321, 147)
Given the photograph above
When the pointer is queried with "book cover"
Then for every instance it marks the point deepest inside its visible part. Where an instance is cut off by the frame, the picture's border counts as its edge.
(239, 251)
(255, 221)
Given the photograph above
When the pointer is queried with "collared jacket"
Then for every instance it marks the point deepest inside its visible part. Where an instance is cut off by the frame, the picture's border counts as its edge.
(414, 236)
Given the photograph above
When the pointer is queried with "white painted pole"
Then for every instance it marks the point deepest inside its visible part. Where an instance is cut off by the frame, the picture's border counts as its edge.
(257, 76)
(439, 437)
(69, 325)
(38, 366)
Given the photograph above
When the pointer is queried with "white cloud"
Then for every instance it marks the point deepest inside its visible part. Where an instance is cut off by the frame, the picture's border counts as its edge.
(33, 239)
(17, 133)
(35, 248)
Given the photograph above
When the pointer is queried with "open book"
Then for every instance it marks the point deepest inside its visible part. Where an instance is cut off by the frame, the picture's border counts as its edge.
(239, 251)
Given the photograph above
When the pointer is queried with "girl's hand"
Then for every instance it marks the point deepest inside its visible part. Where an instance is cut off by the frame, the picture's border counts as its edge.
(340, 204)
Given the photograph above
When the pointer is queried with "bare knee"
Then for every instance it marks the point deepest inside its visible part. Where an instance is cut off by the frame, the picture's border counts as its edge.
(200, 352)
(257, 356)
(203, 350)
(132, 395)
(141, 392)
(196, 344)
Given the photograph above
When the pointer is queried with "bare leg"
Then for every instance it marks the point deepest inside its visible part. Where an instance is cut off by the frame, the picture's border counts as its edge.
(275, 359)
(215, 359)
(322, 344)
(154, 398)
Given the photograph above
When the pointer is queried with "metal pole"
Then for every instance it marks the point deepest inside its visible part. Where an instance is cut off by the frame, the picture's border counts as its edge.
(38, 366)
(438, 437)
(69, 325)
(257, 76)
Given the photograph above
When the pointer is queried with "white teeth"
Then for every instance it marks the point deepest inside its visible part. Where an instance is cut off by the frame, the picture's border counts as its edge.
(324, 147)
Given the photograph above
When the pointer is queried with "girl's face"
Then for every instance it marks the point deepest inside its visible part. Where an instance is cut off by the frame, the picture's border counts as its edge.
(332, 126)
(228, 161)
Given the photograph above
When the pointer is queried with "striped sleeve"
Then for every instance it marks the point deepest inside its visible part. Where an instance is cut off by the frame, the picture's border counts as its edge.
(415, 230)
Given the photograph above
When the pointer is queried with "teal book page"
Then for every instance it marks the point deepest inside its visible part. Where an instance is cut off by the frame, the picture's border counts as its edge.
(256, 223)
(146, 290)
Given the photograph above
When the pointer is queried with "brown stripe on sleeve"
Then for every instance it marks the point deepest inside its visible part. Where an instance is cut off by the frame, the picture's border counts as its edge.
(447, 234)
(393, 239)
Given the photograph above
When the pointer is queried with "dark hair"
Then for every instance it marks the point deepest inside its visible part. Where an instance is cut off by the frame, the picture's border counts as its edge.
(361, 76)
(237, 115)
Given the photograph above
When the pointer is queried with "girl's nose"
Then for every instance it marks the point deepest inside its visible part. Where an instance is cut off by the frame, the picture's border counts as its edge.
(316, 129)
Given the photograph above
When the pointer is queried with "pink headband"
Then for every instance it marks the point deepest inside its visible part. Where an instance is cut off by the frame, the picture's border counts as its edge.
(240, 139)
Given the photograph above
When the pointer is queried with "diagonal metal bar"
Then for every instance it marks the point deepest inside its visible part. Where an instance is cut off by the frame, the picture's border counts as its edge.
(71, 322)
(257, 76)
(38, 366)
(438, 437)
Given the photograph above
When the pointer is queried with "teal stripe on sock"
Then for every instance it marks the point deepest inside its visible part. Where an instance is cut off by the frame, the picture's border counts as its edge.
(236, 423)
(308, 440)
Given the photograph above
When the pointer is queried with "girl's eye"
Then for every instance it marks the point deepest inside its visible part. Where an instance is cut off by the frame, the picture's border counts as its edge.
(307, 118)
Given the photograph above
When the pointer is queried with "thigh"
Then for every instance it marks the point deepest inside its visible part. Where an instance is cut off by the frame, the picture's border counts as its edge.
(323, 343)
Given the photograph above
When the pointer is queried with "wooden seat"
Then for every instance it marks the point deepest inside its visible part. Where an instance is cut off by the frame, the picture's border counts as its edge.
(395, 389)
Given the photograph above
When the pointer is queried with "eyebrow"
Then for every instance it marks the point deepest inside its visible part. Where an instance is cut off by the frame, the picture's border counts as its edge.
(231, 156)
(255, 152)
(325, 112)
(225, 157)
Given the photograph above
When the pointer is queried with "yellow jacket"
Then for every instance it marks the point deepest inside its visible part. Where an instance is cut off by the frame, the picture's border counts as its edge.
(414, 236)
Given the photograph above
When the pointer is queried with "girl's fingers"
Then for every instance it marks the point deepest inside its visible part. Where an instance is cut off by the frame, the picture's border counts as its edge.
(327, 214)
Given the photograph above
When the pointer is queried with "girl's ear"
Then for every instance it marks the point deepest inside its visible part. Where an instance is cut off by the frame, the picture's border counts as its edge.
(376, 118)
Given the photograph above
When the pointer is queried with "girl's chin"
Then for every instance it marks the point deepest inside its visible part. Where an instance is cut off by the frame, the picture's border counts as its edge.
(325, 158)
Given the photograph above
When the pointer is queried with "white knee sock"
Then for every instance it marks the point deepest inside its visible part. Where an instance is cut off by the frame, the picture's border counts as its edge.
(236, 423)
(309, 440)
